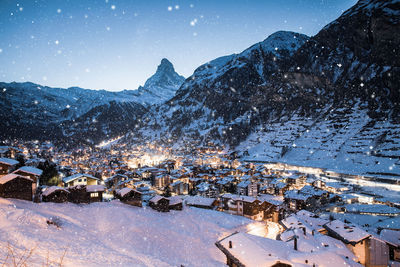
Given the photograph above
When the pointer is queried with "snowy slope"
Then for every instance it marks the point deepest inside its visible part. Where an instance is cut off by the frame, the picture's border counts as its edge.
(115, 234)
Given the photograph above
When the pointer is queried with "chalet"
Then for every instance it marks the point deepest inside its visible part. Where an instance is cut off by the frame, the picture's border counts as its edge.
(306, 221)
(336, 187)
(392, 239)
(86, 194)
(31, 172)
(80, 179)
(112, 181)
(55, 194)
(272, 207)
(206, 190)
(95, 193)
(246, 206)
(369, 250)
(242, 187)
(179, 188)
(296, 180)
(161, 181)
(201, 202)
(16, 186)
(243, 249)
(7, 165)
(159, 203)
(175, 203)
(298, 201)
(129, 196)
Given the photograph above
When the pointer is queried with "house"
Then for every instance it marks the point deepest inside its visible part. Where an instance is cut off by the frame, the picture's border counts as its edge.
(86, 194)
(80, 179)
(55, 194)
(112, 181)
(159, 203)
(95, 193)
(179, 187)
(392, 239)
(7, 165)
(201, 202)
(161, 181)
(243, 249)
(129, 196)
(175, 203)
(298, 201)
(246, 206)
(369, 250)
(31, 172)
(16, 186)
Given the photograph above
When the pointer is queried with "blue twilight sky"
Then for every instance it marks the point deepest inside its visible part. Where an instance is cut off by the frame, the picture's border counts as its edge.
(117, 44)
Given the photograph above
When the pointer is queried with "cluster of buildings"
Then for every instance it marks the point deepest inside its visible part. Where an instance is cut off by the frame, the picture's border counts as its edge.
(302, 203)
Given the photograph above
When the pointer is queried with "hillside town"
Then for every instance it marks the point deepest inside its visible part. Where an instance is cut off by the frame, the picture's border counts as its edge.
(310, 214)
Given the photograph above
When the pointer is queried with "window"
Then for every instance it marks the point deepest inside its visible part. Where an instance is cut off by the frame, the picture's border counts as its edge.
(94, 194)
(80, 180)
(84, 180)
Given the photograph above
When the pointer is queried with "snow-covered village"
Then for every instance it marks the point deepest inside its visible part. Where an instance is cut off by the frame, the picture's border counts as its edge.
(273, 139)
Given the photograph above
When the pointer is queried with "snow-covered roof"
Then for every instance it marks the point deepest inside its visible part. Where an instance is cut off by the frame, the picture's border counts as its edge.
(30, 170)
(198, 200)
(7, 161)
(95, 188)
(156, 198)
(276, 200)
(319, 250)
(239, 197)
(391, 236)
(53, 189)
(349, 233)
(12, 176)
(174, 200)
(76, 176)
(126, 190)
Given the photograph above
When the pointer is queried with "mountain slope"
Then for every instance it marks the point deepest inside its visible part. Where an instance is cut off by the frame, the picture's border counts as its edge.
(329, 101)
(32, 111)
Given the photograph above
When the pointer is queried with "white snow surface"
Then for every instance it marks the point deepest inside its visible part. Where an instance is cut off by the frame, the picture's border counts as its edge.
(115, 234)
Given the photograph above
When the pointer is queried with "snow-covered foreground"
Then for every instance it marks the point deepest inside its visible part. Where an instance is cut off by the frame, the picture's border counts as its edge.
(114, 234)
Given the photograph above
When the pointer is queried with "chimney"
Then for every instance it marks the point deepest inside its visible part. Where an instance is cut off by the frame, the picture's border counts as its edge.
(230, 244)
(304, 231)
(295, 242)
(313, 232)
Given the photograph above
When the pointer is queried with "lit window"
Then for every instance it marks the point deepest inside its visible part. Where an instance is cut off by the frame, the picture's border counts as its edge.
(94, 194)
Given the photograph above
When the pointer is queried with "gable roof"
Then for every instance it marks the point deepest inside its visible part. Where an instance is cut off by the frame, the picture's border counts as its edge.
(30, 170)
(78, 175)
(348, 233)
(7, 161)
(12, 176)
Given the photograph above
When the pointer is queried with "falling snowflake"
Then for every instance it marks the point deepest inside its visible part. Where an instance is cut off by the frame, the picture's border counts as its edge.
(113, 7)
(58, 11)
(170, 8)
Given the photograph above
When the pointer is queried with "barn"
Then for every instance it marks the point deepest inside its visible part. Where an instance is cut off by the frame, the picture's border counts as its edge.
(55, 194)
(16, 186)
(159, 203)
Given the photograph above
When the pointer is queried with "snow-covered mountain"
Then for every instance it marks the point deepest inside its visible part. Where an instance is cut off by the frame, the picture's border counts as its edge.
(331, 100)
(30, 110)
(162, 85)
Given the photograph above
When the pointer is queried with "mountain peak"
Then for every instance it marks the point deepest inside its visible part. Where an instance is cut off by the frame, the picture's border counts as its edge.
(164, 82)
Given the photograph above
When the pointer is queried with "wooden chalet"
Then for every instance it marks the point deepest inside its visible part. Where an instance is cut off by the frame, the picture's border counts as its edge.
(129, 196)
(175, 203)
(159, 203)
(80, 179)
(201, 202)
(370, 250)
(55, 194)
(86, 194)
(16, 186)
(7, 165)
